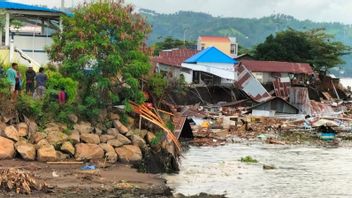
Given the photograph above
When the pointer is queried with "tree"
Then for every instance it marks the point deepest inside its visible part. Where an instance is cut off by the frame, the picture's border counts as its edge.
(102, 45)
(314, 46)
(170, 43)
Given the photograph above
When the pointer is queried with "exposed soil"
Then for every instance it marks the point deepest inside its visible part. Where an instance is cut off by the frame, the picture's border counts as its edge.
(117, 180)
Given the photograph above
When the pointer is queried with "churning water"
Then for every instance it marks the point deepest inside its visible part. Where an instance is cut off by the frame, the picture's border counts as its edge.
(300, 171)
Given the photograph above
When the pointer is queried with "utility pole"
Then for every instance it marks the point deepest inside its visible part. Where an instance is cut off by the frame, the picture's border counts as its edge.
(62, 4)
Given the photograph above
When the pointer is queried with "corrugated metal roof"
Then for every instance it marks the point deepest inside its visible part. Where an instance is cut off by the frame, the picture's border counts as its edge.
(174, 57)
(19, 6)
(278, 67)
(214, 38)
(250, 85)
(211, 55)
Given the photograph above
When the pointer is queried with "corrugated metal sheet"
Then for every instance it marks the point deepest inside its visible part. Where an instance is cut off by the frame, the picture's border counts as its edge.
(211, 55)
(179, 122)
(299, 97)
(281, 88)
(19, 6)
(278, 67)
(250, 85)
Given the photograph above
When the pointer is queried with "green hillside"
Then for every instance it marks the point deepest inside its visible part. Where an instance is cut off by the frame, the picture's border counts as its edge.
(249, 32)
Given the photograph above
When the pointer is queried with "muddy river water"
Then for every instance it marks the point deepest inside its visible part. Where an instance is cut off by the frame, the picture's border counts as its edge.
(300, 171)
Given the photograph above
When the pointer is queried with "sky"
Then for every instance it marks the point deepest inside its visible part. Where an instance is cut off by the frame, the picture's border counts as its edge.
(316, 10)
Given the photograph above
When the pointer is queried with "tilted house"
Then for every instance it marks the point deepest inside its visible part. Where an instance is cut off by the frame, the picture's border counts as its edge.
(267, 71)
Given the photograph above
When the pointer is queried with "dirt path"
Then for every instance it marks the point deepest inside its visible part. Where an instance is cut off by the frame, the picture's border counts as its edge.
(69, 181)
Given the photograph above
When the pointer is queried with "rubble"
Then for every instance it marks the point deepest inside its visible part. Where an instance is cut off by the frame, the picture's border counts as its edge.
(20, 181)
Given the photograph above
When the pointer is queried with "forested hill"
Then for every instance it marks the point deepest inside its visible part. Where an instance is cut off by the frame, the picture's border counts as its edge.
(249, 32)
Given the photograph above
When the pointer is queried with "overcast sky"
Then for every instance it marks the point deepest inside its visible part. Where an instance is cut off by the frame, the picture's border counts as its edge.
(316, 10)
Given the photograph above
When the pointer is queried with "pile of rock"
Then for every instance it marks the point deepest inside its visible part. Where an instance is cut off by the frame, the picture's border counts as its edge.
(84, 142)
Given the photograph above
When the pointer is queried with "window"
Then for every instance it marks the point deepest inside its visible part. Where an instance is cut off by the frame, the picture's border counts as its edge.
(233, 49)
(203, 46)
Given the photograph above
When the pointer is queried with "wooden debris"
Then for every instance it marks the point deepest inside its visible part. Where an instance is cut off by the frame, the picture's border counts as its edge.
(153, 117)
(19, 181)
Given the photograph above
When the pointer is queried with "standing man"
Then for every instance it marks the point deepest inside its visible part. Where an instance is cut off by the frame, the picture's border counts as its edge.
(30, 76)
(11, 74)
(41, 79)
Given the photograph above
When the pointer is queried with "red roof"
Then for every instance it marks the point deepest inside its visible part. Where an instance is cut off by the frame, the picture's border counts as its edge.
(215, 38)
(174, 57)
(277, 67)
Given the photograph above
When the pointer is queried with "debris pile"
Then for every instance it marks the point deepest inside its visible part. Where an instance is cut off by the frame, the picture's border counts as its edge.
(20, 182)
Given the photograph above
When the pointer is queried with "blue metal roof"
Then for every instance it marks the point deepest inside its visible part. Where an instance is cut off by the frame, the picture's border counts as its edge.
(211, 55)
(19, 6)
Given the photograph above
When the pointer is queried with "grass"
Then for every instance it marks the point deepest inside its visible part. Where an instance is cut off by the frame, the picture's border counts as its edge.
(248, 159)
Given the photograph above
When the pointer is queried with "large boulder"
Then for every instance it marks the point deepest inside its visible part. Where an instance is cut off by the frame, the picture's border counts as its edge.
(110, 153)
(7, 148)
(115, 143)
(88, 152)
(37, 136)
(83, 127)
(73, 118)
(129, 153)
(118, 125)
(140, 133)
(2, 126)
(26, 150)
(46, 153)
(67, 147)
(114, 116)
(32, 127)
(75, 137)
(90, 138)
(11, 132)
(138, 141)
(54, 127)
(55, 137)
(105, 138)
(42, 143)
(150, 137)
(61, 156)
(112, 131)
(124, 140)
(22, 129)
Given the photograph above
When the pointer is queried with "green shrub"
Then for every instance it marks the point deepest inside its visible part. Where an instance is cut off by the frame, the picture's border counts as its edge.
(248, 159)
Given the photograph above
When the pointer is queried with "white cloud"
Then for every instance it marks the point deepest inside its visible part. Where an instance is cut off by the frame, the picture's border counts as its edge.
(316, 10)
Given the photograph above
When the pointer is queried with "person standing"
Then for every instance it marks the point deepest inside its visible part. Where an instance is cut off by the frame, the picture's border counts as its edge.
(41, 79)
(11, 74)
(30, 76)
(18, 85)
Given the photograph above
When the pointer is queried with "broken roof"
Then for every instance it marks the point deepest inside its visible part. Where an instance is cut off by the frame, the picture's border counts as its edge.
(211, 55)
(174, 57)
(278, 67)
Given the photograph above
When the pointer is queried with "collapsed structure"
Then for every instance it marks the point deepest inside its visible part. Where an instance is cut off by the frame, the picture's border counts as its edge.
(223, 87)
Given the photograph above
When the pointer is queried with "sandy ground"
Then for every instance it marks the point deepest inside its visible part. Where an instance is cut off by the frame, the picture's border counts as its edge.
(117, 180)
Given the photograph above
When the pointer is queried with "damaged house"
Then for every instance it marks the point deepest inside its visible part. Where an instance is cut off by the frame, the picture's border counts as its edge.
(268, 71)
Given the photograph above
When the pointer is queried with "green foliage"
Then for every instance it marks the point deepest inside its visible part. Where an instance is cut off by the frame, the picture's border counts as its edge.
(157, 139)
(248, 159)
(101, 47)
(314, 46)
(157, 85)
(170, 43)
(32, 108)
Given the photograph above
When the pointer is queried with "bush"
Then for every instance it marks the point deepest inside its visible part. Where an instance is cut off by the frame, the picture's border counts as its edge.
(31, 108)
(248, 159)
